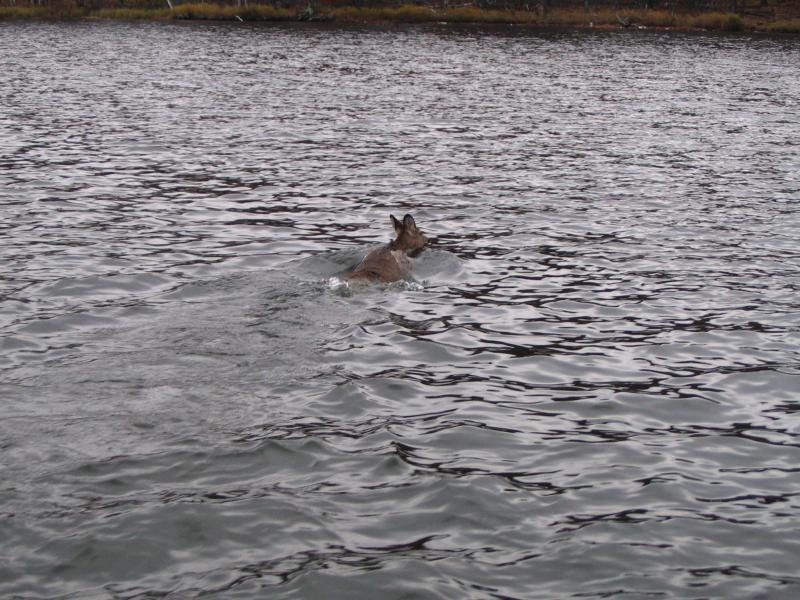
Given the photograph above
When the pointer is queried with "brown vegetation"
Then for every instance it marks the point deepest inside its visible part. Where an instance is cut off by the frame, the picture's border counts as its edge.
(726, 15)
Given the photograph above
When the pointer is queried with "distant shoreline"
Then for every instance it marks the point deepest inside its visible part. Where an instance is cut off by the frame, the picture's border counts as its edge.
(416, 13)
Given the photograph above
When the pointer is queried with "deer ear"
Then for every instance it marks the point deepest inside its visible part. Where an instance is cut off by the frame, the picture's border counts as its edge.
(408, 222)
(398, 226)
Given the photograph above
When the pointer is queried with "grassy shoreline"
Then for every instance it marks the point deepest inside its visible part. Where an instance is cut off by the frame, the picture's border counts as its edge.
(414, 13)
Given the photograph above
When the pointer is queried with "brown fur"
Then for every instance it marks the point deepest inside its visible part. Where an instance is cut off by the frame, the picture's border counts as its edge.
(390, 262)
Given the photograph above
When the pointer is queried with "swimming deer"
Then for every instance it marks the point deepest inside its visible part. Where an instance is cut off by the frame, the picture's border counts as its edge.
(390, 262)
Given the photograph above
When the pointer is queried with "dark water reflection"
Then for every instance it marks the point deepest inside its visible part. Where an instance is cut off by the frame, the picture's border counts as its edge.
(591, 390)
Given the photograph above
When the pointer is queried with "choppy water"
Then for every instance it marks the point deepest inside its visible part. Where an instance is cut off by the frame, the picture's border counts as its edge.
(591, 390)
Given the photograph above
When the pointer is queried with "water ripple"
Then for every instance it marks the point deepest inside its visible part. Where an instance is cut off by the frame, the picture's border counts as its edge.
(588, 390)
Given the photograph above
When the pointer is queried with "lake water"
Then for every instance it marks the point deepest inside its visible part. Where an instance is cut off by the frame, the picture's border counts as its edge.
(591, 389)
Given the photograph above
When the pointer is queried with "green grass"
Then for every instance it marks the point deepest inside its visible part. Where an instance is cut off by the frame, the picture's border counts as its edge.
(646, 18)
(41, 12)
(413, 13)
(214, 12)
(408, 13)
(783, 26)
(471, 14)
(718, 21)
(131, 14)
(200, 11)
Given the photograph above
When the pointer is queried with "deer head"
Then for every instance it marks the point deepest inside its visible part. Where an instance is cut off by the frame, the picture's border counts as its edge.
(409, 239)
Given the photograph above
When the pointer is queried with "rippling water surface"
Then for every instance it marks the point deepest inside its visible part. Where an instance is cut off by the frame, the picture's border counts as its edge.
(591, 389)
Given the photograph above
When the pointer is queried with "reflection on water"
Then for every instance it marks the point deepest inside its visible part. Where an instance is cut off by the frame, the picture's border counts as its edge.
(589, 390)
